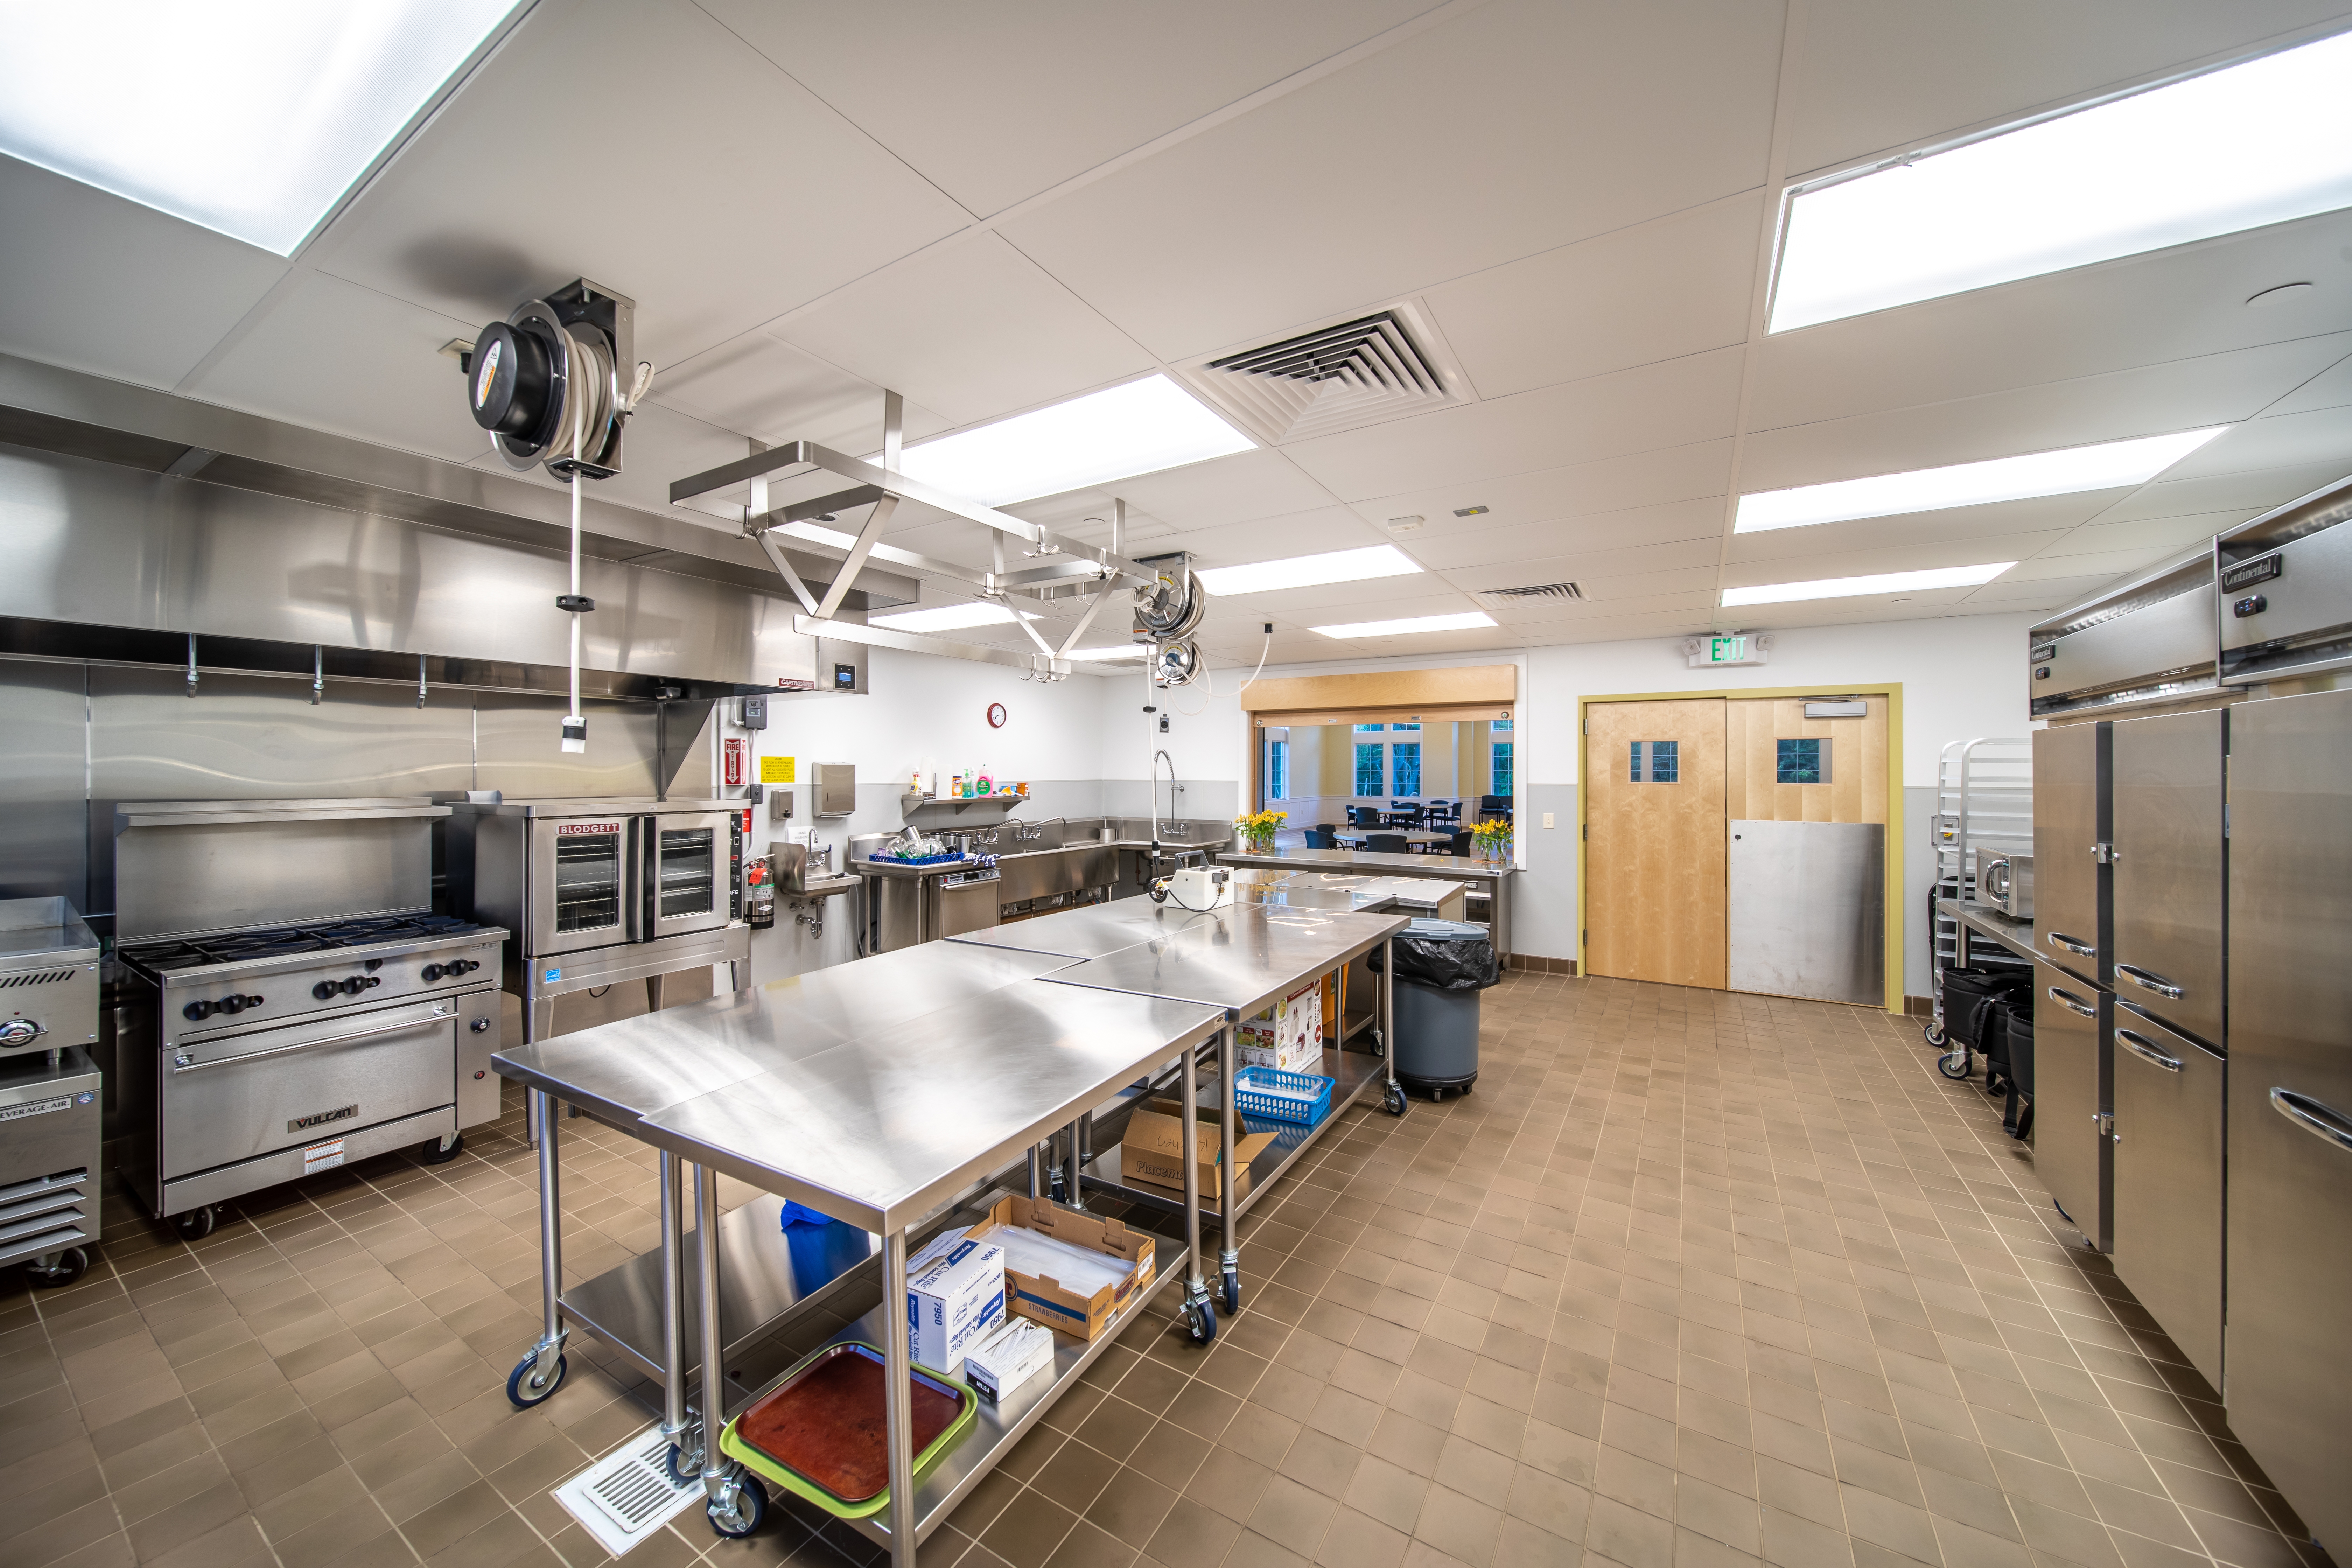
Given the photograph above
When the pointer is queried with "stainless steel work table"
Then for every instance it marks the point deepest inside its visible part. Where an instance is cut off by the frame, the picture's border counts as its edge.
(2014, 937)
(872, 1093)
(1494, 881)
(1241, 958)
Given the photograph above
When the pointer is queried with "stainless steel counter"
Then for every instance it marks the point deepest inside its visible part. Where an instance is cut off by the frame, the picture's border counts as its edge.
(1491, 881)
(2015, 937)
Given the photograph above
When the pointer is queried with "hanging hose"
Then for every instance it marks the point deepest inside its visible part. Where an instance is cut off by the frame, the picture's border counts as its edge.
(575, 723)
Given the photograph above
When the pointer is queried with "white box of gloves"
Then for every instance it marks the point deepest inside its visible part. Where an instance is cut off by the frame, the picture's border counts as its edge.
(955, 1295)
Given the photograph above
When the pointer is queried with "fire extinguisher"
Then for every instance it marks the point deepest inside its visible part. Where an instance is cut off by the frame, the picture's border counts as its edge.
(734, 764)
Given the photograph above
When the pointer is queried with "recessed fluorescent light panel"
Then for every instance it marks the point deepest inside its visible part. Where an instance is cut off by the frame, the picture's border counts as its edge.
(947, 618)
(2256, 143)
(1417, 624)
(1088, 655)
(1854, 587)
(250, 116)
(1138, 429)
(2107, 466)
(1307, 571)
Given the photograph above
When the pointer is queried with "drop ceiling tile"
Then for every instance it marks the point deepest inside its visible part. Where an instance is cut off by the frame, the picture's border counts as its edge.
(2218, 389)
(995, 104)
(2153, 533)
(2035, 515)
(1588, 568)
(1424, 644)
(2283, 440)
(297, 364)
(761, 386)
(2174, 305)
(101, 284)
(1602, 535)
(1677, 285)
(2331, 388)
(2015, 592)
(2256, 491)
(1698, 471)
(2104, 564)
(1379, 598)
(1262, 482)
(721, 195)
(1868, 563)
(971, 328)
(1877, 77)
(1620, 628)
(1313, 532)
(1673, 404)
(1518, 126)
(1635, 592)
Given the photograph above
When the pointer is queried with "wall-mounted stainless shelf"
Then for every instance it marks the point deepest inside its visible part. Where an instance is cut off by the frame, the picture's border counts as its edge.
(953, 815)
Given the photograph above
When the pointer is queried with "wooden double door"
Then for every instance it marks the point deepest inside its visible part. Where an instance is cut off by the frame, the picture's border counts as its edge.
(1664, 780)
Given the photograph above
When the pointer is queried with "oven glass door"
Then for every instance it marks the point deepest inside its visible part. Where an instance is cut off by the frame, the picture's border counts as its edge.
(687, 873)
(580, 883)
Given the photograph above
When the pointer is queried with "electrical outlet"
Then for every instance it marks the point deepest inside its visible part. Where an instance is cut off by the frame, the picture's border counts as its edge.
(1546, 819)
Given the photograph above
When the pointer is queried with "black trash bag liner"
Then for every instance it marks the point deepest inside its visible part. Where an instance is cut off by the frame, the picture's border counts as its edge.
(1444, 962)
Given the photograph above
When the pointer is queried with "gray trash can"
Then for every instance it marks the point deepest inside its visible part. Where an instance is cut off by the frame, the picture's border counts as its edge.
(1442, 966)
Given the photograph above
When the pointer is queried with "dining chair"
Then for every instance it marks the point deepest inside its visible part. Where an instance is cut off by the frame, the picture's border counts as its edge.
(1389, 844)
(1320, 838)
(1460, 847)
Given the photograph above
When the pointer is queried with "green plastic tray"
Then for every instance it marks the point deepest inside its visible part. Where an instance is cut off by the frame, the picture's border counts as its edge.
(792, 1481)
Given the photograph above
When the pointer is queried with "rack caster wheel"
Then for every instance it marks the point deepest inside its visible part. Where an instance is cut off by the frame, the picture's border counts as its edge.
(1394, 1101)
(1953, 1064)
(683, 1473)
(63, 1268)
(1201, 1318)
(741, 1511)
(1233, 1292)
(434, 1152)
(196, 1223)
(526, 1387)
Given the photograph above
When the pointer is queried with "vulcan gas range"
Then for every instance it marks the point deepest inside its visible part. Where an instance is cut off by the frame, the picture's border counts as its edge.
(283, 1049)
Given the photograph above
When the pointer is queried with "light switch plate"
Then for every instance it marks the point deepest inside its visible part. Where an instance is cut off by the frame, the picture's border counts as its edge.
(1546, 819)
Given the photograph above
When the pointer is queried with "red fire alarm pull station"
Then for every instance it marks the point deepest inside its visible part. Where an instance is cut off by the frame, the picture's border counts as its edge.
(734, 763)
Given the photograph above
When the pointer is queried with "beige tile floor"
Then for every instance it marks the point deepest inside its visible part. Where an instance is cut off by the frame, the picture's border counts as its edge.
(1692, 1279)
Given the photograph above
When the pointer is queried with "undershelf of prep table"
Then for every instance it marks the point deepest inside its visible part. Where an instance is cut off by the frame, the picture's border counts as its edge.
(1351, 1072)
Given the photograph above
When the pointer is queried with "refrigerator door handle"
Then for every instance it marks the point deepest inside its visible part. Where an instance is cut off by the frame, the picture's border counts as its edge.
(2075, 945)
(2072, 1003)
(2313, 1116)
(2145, 1050)
(2150, 981)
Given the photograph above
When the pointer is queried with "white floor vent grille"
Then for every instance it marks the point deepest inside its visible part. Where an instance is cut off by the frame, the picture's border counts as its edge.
(626, 1496)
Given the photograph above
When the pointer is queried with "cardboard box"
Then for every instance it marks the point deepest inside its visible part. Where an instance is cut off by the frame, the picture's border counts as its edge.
(1288, 1035)
(1018, 1350)
(1154, 1150)
(955, 1300)
(1041, 1297)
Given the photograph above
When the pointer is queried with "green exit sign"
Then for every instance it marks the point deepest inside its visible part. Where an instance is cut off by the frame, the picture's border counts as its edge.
(1726, 650)
(1730, 648)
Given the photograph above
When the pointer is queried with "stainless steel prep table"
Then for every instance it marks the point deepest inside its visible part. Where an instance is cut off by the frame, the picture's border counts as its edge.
(1495, 881)
(871, 1094)
(1983, 924)
(1241, 958)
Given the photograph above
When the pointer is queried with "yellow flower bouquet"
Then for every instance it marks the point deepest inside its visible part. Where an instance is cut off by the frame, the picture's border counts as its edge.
(1259, 828)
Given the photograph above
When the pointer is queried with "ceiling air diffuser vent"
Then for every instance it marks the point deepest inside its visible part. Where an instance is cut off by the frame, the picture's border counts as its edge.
(1333, 378)
(1507, 598)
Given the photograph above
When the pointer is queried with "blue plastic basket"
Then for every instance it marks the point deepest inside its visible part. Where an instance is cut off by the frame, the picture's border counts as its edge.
(920, 860)
(1303, 1097)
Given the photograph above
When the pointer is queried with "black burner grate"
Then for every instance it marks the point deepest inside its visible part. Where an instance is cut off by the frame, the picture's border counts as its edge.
(239, 947)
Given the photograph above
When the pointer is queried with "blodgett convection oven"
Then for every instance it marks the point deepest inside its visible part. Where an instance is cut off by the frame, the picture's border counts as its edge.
(600, 890)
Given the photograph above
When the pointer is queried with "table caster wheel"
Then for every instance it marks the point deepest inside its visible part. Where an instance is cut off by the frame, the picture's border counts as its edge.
(196, 1223)
(433, 1152)
(685, 1469)
(1233, 1292)
(741, 1511)
(526, 1386)
(61, 1268)
(1394, 1101)
(1201, 1318)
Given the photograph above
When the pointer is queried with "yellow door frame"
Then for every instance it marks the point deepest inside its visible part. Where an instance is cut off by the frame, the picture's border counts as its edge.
(1897, 841)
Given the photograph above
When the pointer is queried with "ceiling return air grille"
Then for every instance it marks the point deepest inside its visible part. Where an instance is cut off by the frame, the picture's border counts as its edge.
(1333, 378)
(1540, 593)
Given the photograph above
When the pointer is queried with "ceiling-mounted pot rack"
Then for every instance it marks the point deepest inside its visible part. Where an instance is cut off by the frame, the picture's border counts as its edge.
(1076, 570)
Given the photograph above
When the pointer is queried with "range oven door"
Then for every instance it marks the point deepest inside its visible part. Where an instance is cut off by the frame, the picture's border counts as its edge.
(688, 872)
(583, 882)
(233, 1097)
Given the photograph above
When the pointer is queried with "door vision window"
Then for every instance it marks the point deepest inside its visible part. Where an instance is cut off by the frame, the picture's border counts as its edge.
(1663, 763)
(688, 870)
(588, 881)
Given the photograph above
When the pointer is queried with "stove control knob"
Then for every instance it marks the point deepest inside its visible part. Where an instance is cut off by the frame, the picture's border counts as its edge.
(325, 990)
(434, 972)
(18, 1032)
(232, 1006)
(352, 986)
(372, 980)
(199, 1010)
(463, 966)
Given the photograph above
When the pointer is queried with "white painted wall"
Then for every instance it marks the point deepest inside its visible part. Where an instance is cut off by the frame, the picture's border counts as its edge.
(1962, 677)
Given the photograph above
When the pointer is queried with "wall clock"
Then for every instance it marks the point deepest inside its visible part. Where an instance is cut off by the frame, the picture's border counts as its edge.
(996, 715)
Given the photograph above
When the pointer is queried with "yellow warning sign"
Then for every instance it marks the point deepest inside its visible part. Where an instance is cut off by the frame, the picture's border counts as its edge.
(776, 770)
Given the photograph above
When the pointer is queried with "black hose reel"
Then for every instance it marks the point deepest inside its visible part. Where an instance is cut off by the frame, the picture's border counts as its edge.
(546, 381)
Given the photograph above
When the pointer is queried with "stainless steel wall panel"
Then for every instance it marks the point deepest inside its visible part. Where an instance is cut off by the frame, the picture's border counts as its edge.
(2169, 868)
(518, 741)
(2071, 1090)
(2073, 907)
(44, 836)
(2288, 1356)
(2167, 1173)
(1806, 907)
